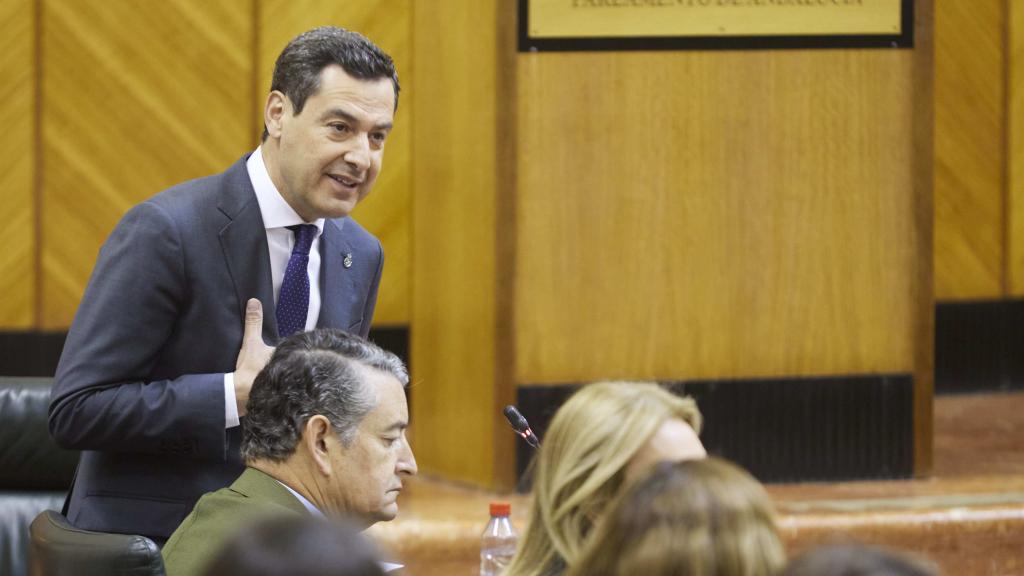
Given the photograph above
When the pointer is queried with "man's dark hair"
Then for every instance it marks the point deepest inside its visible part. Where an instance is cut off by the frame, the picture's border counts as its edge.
(317, 372)
(298, 67)
(298, 546)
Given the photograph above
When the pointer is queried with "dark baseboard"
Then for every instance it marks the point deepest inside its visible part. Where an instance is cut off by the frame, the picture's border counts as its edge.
(782, 430)
(787, 429)
(30, 353)
(37, 353)
(979, 346)
(394, 339)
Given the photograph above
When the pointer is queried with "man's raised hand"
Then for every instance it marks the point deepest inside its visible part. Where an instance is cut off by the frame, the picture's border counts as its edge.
(253, 355)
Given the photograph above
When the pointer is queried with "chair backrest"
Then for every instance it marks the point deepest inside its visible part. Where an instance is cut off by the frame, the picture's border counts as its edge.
(29, 458)
(59, 549)
(34, 472)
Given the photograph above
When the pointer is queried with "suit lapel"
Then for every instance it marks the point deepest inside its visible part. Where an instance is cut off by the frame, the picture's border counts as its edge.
(337, 283)
(243, 241)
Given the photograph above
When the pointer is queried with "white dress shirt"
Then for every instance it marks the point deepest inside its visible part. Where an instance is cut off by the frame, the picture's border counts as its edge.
(305, 501)
(277, 216)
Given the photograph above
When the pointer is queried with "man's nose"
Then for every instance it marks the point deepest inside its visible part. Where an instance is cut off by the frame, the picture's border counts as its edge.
(407, 462)
(358, 156)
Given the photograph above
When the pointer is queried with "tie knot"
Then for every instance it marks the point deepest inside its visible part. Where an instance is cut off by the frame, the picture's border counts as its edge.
(304, 234)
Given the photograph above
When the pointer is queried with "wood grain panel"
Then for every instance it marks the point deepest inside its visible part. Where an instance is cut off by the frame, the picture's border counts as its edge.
(715, 215)
(923, 222)
(970, 136)
(17, 163)
(457, 384)
(386, 212)
(1015, 150)
(134, 100)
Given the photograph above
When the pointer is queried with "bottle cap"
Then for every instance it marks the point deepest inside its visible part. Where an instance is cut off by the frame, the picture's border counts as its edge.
(500, 508)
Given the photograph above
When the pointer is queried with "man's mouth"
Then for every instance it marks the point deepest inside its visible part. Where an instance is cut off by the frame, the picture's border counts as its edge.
(346, 181)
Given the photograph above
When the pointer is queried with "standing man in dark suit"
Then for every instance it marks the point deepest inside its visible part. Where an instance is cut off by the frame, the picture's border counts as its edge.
(155, 372)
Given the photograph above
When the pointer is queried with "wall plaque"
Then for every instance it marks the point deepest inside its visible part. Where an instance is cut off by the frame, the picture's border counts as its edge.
(714, 24)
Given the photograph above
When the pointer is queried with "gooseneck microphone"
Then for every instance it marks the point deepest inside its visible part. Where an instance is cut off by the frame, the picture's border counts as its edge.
(520, 425)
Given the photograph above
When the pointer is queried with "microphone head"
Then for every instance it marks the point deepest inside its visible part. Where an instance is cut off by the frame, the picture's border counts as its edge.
(515, 419)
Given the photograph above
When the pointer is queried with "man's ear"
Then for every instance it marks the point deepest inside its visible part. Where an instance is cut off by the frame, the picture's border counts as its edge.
(319, 438)
(273, 113)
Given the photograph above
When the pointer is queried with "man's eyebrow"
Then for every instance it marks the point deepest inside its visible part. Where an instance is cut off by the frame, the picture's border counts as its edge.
(339, 113)
(397, 426)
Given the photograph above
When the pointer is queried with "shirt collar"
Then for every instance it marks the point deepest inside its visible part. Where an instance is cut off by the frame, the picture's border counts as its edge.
(385, 566)
(276, 212)
(309, 505)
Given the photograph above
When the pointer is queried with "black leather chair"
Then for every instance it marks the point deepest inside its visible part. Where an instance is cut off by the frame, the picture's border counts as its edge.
(34, 473)
(60, 549)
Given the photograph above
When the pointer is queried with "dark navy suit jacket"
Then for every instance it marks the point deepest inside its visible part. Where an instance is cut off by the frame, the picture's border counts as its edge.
(140, 384)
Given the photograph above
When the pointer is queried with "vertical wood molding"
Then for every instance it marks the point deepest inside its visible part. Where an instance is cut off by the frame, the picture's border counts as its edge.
(18, 210)
(256, 90)
(506, 232)
(1015, 148)
(971, 254)
(454, 333)
(923, 218)
(39, 167)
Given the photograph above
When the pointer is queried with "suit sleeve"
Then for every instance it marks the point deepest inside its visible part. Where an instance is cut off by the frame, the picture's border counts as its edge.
(101, 397)
(371, 294)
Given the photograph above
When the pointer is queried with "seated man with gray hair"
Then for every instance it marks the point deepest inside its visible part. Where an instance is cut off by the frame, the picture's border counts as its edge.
(324, 434)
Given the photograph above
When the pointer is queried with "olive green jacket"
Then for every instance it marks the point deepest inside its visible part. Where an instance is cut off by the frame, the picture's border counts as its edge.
(219, 515)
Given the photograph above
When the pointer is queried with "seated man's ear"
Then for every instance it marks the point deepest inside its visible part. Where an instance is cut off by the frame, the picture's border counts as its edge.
(319, 439)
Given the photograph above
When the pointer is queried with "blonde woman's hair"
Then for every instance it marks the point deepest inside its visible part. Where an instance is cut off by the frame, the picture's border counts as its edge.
(580, 466)
(692, 518)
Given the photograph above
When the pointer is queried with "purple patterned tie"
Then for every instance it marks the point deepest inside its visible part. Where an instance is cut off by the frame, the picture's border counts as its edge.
(293, 299)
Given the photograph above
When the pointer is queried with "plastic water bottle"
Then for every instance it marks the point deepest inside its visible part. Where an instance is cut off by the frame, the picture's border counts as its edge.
(498, 543)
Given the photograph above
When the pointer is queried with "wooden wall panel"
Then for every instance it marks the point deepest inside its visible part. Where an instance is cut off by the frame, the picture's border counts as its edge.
(386, 212)
(923, 222)
(668, 215)
(456, 384)
(18, 282)
(715, 215)
(1015, 149)
(134, 100)
(970, 155)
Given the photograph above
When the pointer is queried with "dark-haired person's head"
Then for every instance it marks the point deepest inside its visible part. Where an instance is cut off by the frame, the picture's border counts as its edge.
(297, 546)
(299, 66)
(703, 517)
(327, 417)
(857, 560)
(330, 109)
